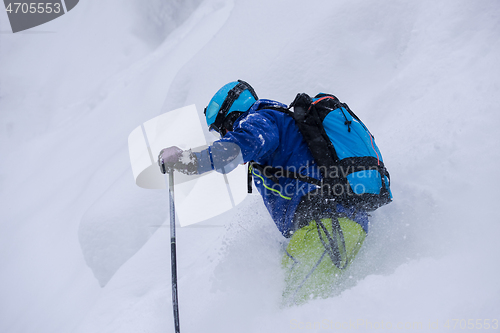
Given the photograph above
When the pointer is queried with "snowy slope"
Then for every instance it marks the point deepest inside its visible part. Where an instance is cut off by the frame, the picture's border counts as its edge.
(424, 76)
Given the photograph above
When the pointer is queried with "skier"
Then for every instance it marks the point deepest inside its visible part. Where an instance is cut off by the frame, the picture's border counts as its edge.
(324, 236)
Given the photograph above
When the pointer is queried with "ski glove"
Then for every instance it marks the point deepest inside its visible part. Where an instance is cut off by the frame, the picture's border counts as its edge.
(174, 158)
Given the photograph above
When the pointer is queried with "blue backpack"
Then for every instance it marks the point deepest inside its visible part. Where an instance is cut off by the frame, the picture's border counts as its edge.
(344, 149)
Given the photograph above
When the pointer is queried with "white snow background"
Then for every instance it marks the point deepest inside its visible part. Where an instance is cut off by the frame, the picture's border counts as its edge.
(423, 75)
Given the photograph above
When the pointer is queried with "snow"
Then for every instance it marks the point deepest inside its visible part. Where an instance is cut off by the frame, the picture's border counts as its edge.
(261, 138)
(422, 75)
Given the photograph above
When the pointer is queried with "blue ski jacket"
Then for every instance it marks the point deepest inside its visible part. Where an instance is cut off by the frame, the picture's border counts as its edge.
(271, 138)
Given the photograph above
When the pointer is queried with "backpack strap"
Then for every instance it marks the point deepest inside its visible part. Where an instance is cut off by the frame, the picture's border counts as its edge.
(334, 244)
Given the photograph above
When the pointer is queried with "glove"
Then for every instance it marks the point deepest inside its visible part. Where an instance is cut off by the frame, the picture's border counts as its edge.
(174, 158)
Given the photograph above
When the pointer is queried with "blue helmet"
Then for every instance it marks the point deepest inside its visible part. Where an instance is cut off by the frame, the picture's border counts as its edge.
(234, 96)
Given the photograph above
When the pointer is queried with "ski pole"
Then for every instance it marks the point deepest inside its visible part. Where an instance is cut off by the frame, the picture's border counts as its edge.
(173, 256)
